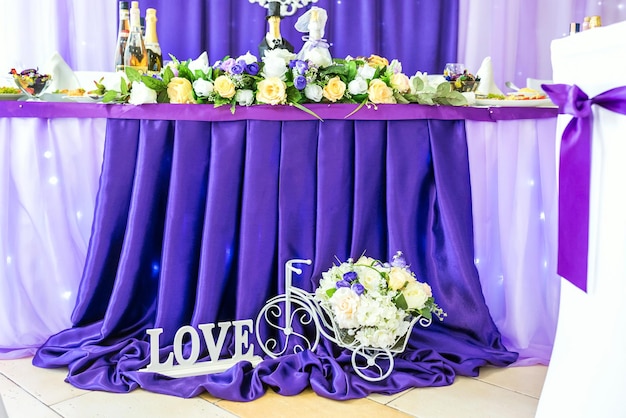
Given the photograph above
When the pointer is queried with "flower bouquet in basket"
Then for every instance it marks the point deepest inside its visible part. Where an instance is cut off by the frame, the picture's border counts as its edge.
(374, 304)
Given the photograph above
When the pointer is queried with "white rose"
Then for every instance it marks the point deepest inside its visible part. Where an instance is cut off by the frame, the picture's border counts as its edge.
(282, 54)
(366, 72)
(248, 58)
(201, 63)
(140, 94)
(370, 278)
(244, 97)
(320, 57)
(313, 92)
(345, 304)
(202, 87)
(274, 67)
(415, 295)
(395, 66)
(357, 86)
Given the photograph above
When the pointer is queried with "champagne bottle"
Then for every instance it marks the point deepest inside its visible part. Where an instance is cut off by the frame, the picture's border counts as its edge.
(135, 54)
(122, 36)
(155, 58)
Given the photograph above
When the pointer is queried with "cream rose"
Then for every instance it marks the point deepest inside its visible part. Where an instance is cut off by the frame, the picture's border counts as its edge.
(370, 278)
(334, 90)
(398, 277)
(345, 304)
(416, 294)
(179, 90)
(400, 82)
(224, 86)
(379, 92)
(271, 90)
(377, 61)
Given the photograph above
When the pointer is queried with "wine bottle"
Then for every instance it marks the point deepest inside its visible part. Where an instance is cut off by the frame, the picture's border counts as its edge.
(155, 58)
(135, 54)
(122, 35)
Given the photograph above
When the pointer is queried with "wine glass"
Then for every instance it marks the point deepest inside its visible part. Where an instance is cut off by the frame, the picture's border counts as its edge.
(31, 82)
(453, 70)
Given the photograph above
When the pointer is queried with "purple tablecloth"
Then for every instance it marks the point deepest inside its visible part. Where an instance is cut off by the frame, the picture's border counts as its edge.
(195, 219)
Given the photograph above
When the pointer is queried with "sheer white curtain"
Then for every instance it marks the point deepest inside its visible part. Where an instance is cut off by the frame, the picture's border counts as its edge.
(82, 31)
(49, 171)
(517, 33)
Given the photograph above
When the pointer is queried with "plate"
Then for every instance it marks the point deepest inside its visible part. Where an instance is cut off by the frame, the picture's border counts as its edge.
(84, 99)
(515, 103)
(11, 96)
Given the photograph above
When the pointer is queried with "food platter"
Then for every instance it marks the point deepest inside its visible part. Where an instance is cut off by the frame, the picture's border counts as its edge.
(11, 96)
(515, 103)
(84, 99)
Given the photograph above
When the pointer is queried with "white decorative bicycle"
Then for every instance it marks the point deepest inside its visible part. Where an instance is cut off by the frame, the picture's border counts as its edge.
(297, 321)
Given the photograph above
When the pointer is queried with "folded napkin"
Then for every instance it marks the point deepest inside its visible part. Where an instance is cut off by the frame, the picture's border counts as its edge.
(487, 84)
(62, 75)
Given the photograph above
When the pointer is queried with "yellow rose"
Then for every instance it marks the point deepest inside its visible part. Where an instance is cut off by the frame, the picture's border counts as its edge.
(224, 86)
(334, 90)
(271, 90)
(379, 92)
(377, 61)
(179, 90)
(400, 82)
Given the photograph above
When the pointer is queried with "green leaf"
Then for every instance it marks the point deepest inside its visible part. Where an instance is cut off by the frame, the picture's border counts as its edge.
(184, 72)
(168, 74)
(352, 70)
(162, 97)
(174, 59)
(293, 95)
(401, 302)
(153, 83)
(233, 107)
(330, 292)
(399, 98)
(443, 89)
(109, 96)
(425, 99)
(132, 74)
(306, 110)
(123, 87)
(456, 99)
(417, 84)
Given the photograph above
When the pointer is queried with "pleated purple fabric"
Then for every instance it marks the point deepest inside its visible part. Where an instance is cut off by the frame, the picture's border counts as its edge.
(194, 221)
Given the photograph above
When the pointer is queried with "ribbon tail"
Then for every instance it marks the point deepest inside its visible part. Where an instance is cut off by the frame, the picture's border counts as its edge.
(574, 186)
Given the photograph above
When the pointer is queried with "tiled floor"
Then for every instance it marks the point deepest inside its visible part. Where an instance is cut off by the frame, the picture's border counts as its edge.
(29, 391)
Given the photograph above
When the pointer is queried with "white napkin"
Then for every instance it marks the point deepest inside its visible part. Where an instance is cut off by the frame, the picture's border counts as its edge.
(62, 75)
(487, 85)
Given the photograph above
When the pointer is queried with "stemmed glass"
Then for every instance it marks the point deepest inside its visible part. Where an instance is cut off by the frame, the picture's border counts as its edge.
(31, 83)
(453, 70)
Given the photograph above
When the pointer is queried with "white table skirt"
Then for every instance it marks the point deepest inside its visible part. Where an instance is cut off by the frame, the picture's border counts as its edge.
(50, 185)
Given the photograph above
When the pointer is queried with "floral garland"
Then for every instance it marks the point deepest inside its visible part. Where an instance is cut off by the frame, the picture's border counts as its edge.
(279, 79)
(373, 303)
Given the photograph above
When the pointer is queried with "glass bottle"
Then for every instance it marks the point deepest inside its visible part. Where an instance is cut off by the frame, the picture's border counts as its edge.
(155, 58)
(122, 36)
(135, 55)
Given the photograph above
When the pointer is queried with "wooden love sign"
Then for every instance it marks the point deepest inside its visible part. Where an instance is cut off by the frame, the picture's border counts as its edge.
(189, 366)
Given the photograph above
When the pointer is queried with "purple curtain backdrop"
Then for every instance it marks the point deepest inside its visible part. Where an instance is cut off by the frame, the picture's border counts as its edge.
(194, 221)
(421, 34)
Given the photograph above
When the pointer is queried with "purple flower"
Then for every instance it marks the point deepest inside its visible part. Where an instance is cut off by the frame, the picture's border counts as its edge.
(299, 82)
(350, 276)
(398, 260)
(342, 283)
(358, 288)
(237, 68)
(301, 66)
(253, 68)
(292, 64)
(228, 64)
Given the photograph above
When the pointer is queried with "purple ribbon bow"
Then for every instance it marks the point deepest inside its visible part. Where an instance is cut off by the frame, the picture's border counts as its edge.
(575, 174)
